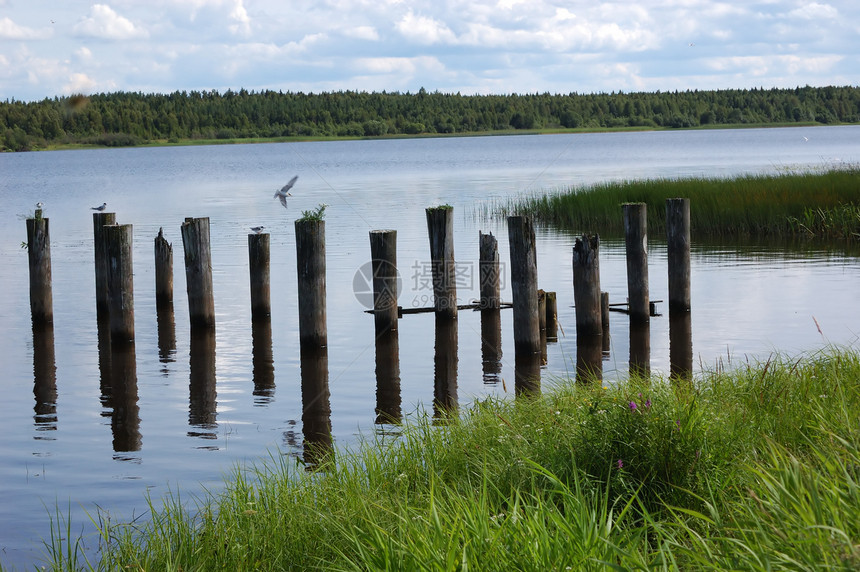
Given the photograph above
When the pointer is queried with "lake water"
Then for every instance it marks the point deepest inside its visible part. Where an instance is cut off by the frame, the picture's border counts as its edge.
(74, 441)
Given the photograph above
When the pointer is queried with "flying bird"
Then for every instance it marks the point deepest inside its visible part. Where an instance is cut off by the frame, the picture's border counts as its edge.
(258, 229)
(284, 192)
(101, 207)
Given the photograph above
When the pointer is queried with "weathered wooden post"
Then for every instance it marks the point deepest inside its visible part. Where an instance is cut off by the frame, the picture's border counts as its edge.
(586, 286)
(100, 221)
(678, 254)
(198, 272)
(440, 226)
(120, 282)
(521, 236)
(39, 257)
(589, 359)
(316, 407)
(383, 256)
(551, 317)
(636, 241)
(163, 271)
(310, 263)
(527, 374)
(604, 320)
(258, 256)
(488, 271)
(166, 325)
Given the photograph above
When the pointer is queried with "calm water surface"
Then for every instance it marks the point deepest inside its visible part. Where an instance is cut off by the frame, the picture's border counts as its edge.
(73, 440)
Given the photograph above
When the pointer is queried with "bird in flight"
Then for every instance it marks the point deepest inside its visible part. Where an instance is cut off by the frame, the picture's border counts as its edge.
(101, 207)
(284, 192)
(258, 229)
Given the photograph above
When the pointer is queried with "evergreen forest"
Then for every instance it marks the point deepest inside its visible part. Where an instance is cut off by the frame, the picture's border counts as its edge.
(128, 118)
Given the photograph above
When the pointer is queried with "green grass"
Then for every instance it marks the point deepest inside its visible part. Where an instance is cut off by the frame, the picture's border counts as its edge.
(822, 204)
(754, 469)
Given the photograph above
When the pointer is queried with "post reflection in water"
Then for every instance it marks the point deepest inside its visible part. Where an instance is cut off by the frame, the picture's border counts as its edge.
(491, 345)
(316, 407)
(125, 418)
(103, 329)
(527, 373)
(202, 399)
(166, 335)
(445, 368)
(640, 348)
(388, 378)
(262, 362)
(589, 358)
(44, 379)
(680, 346)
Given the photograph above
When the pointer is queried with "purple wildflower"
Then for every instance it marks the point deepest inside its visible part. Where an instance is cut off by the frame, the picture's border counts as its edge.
(620, 464)
(648, 403)
(633, 406)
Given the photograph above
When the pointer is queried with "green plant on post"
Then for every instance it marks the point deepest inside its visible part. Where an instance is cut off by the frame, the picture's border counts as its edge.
(317, 214)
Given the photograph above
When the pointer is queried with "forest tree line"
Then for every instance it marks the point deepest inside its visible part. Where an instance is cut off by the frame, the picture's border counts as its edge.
(130, 118)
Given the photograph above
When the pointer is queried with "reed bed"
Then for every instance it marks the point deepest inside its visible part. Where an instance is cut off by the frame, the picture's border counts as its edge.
(822, 203)
(753, 469)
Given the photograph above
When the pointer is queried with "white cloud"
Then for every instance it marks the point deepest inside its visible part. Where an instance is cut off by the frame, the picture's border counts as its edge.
(362, 33)
(104, 23)
(239, 15)
(425, 30)
(815, 11)
(79, 83)
(9, 30)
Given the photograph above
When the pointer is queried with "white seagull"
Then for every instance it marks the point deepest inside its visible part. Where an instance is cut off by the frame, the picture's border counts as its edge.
(285, 191)
(101, 207)
(258, 229)
(40, 204)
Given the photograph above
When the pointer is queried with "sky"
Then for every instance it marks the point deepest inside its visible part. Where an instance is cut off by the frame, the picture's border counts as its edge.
(64, 47)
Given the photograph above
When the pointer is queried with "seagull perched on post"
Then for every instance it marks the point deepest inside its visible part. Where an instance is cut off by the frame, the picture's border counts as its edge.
(101, 207)
(40, 204)
(258, 229)
(284, 192)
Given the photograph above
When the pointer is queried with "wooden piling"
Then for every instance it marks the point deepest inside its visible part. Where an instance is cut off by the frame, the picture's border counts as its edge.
(163, 270)
(120, 282)
(678, 253)
(310, 262)
(258, 257)
(440, 226)
(589, 358)
(636, 241)
(640, 349)
(383, 256)
(524, 291)
(488, 271)
(100, 221)
(586, 286)
(198, 272)
(125, 411)
(202, 393)
(39, 258)
(551, 317)
(44, 377)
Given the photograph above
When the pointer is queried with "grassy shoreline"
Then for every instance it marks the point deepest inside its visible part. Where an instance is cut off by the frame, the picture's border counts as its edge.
(824, 203)
(500, 133)
(754, 469)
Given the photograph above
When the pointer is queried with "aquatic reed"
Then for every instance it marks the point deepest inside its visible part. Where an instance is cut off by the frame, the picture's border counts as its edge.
(822, 203)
